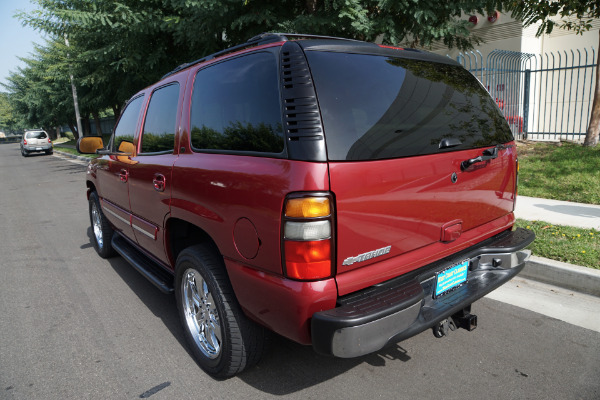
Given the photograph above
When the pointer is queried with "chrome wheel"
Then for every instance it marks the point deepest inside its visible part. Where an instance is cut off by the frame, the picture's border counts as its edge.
(201, 314)
(97, 225)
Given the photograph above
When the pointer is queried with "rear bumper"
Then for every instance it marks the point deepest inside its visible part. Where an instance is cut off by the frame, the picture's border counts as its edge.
(41, 147)
(367, 321)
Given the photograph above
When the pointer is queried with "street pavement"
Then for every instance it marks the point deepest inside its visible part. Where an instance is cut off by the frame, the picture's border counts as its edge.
(76, 326)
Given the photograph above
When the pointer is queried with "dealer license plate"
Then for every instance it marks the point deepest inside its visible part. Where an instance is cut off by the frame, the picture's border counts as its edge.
(451, 278)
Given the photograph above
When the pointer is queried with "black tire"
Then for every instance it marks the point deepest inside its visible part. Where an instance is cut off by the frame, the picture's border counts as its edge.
(24, 152)
(222, 339)
(49, 152)
(102, 232)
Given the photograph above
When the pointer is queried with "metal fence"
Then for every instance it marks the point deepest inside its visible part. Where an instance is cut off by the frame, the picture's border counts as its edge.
(543, 97)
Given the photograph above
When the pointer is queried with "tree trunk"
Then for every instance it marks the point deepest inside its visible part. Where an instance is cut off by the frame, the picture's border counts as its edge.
(593, 130)
(97, 122)
(311, 6)
(74, 131)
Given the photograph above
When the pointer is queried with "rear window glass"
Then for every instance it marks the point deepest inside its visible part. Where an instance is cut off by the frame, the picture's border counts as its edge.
(236, 106)
(36, 135)
(376, 107)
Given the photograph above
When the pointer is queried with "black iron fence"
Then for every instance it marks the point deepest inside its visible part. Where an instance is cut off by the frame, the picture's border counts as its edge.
(543, 97)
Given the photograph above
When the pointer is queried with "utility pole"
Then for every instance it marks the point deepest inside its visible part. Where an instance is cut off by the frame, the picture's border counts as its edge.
(75, 102)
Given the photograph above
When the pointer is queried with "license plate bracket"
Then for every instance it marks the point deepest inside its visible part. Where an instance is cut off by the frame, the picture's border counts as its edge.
(451, 278)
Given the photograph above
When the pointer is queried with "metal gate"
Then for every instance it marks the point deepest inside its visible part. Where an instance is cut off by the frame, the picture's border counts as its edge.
(543, 97)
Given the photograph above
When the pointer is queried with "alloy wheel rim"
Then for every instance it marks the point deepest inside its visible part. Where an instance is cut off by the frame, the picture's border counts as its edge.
(201, 314)
(97, 223)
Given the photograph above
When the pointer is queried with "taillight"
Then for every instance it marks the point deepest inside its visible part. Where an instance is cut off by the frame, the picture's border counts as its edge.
(49, 141)
(24, 141)
(308, 236)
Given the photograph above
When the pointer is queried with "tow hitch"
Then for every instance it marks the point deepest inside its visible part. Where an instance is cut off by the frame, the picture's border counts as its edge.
(462, 319)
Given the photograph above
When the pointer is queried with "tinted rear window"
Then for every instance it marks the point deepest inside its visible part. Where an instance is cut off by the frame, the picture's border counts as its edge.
(36, 135)
(376, 107)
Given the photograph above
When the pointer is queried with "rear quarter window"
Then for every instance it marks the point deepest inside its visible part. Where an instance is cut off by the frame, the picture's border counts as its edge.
(377, 107)
(236, 106)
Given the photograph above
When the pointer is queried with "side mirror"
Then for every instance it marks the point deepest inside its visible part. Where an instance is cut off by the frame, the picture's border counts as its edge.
(89, 144)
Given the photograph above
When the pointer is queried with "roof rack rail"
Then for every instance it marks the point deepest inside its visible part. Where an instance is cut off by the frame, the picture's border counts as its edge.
(263, 38)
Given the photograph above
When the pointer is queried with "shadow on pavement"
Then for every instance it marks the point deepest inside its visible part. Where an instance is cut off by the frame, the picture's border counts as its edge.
(577, 210)
(286, 367)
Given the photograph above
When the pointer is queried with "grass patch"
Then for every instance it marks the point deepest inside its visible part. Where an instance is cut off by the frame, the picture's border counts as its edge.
(564, 243)
(73, 151)
(564, 171)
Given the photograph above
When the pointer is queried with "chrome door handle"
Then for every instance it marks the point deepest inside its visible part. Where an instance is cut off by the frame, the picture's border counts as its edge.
(123, 175)
(159, 182)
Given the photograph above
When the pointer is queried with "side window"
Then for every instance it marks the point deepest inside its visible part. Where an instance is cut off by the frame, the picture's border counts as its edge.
(125, 130)
(159, 128)
(236, 106)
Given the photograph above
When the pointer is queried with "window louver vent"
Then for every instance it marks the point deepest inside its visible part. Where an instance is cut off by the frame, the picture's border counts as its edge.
(301, 111)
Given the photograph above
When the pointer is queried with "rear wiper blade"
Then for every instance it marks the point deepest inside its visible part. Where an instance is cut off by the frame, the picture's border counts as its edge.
(446, 143)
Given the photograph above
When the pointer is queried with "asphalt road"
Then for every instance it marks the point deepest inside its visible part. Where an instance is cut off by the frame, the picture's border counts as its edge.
(75, 326)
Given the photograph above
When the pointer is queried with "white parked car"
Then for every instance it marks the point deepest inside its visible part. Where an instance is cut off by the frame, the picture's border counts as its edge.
(35, 140)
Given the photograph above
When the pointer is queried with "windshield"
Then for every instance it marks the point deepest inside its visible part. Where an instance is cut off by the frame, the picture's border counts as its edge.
(376, 107)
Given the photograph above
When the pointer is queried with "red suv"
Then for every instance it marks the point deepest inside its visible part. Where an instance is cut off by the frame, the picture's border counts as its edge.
(343, 194)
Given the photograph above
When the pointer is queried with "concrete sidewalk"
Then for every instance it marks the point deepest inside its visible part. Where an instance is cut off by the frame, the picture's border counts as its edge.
(558, 212)
(572, 277)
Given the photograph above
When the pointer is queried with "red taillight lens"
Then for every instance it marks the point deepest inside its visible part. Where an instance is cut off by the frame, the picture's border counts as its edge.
(308, 236)
(24, 141)
(49, 141)
(308, 260)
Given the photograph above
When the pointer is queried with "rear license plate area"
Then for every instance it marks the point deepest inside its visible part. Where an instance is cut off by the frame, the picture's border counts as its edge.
(450, 278)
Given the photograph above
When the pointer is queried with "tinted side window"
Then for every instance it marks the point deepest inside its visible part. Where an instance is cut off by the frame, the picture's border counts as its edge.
(236, 106)
(125, 130)
(159, 127)
(377, 107)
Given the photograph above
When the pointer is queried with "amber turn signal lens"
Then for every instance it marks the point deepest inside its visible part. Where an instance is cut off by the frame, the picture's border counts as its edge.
(307, 207)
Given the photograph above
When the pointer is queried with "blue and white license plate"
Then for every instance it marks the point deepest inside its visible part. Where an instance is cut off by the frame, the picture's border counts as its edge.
(451, 278)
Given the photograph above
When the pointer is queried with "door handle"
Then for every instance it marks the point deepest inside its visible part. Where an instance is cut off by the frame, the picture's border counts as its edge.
(123, 175)
(159, 182)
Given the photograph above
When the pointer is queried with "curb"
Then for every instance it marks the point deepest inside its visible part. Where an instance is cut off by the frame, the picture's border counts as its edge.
(568, 276)
(62, 153)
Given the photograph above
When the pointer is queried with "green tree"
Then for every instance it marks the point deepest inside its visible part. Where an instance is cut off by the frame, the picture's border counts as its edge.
(39, 93)
(8, 121)
(127, 44)
(575, 15)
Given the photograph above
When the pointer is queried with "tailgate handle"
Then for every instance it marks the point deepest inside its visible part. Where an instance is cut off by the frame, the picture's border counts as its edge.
(488, 154)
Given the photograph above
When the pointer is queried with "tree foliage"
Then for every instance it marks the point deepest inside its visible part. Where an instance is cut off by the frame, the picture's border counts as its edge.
(117, 47)
(39, 93)
(575, 15)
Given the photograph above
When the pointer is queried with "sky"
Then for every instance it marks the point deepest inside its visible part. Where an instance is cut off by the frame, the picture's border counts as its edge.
(15, 39)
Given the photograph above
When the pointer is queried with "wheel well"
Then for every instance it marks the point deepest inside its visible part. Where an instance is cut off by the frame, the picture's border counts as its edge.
(182, 234)
(90, 188)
